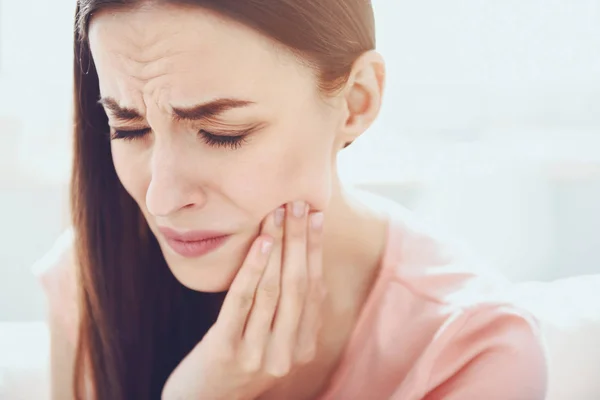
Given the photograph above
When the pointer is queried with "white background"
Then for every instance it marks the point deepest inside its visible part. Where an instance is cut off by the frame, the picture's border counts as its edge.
(490, 128)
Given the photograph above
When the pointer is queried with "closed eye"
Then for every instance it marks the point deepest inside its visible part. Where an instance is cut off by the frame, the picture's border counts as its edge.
(129, 135)
(231, 141)
(211, 139)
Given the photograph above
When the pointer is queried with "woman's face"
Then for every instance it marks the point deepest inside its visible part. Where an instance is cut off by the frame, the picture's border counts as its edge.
(214, 126)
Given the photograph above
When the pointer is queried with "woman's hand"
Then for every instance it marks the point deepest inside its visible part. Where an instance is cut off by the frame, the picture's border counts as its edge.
(270, 319)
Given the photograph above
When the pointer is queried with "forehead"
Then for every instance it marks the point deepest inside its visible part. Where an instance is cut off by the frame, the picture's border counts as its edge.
(187, 54)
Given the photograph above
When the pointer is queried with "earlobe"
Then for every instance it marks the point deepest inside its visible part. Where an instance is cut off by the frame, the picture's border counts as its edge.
(363, 95)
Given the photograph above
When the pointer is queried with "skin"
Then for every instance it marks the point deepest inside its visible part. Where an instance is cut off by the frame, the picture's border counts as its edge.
(269, 323)
(157, 58)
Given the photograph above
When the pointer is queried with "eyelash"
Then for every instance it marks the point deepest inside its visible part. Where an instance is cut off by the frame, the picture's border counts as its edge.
(232, 142)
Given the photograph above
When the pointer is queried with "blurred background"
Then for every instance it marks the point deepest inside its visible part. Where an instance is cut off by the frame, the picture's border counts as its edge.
(490, 129)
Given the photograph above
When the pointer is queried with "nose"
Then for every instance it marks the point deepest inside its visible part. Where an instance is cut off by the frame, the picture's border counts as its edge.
(173, 184)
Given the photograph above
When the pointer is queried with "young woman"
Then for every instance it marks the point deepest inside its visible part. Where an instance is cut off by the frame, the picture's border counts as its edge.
(215, 254)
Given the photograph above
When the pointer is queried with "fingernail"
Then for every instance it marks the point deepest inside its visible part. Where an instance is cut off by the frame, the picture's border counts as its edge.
(299, 208)
(267, 244)
(279, 217)
(316, 220)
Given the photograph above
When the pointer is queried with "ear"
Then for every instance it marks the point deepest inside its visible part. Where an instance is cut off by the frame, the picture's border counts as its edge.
(362, 96)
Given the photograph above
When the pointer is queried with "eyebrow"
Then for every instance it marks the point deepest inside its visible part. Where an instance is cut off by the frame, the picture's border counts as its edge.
(122, 113)
(208, 110)
(198, 112)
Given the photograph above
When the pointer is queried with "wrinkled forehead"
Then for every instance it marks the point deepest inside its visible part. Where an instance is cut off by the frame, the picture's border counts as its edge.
(187, 52)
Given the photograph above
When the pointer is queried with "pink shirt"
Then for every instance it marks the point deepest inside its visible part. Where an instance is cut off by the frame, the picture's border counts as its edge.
(432, 328)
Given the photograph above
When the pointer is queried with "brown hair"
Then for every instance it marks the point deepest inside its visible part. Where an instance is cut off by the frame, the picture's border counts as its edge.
(137, 322)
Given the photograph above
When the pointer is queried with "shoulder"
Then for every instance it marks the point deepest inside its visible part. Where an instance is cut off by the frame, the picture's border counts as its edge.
(460, 333)
(430, 266)
(56, 269)
(491, 348)
(56, 272)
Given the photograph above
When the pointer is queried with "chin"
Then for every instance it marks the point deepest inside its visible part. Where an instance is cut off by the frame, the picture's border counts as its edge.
(210, 274)
(210, 279)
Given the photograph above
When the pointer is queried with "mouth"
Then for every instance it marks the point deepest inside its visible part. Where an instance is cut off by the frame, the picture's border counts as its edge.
(194, 244)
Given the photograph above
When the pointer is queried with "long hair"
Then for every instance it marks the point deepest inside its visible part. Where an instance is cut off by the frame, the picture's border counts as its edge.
(137, 322)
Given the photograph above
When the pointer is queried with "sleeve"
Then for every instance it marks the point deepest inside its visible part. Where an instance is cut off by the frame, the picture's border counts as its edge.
(491, 353)
(56, 273)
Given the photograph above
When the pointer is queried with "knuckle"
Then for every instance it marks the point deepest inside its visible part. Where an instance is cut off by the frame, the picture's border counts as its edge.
(301, 290)
(256, 269)
(298, 289)
(269, 291)
(321, 289)
(244, 299)
(296, 283)
(251, 272)
(226, 355)
(306, 354)
(251, 363)
(317, 289)
(279, 369)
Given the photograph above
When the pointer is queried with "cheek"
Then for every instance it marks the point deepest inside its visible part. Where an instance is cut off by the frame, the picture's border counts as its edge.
(131, 166)
(307, 176)
(306, 166)
(287, 171)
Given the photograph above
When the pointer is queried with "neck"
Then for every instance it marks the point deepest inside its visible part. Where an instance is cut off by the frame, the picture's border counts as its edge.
(354, 235)
(354, 243)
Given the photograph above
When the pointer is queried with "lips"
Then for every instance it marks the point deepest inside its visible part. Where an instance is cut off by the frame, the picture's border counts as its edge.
(193, 244)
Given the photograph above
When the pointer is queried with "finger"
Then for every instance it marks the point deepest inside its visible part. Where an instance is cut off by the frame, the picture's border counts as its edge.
(310, 323)
(258, 328)
(238, 301)
(293, 289)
